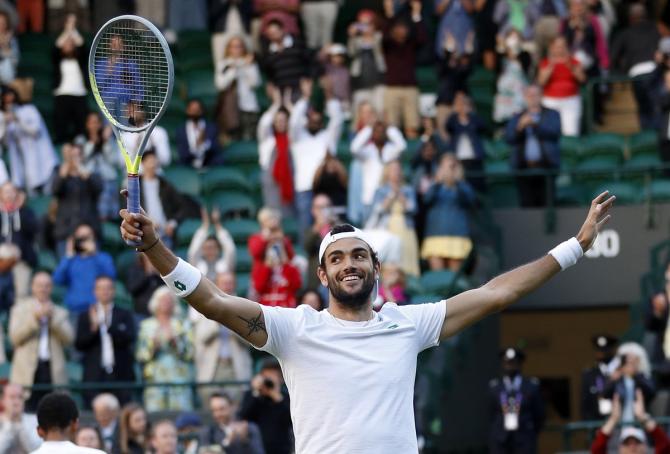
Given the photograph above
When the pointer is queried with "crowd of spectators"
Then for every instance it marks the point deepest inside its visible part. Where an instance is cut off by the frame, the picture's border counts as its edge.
(345, 111)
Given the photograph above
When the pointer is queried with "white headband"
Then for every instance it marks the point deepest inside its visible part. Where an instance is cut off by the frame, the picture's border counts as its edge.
(330, 239)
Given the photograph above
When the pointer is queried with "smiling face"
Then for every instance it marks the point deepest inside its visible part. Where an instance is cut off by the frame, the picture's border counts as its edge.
(349, 272)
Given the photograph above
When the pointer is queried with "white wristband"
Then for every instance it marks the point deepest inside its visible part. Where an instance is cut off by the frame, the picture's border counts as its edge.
(183, 279)
(567, 253)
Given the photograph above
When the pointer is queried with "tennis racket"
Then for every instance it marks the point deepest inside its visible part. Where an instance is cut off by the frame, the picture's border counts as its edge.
(132, 74)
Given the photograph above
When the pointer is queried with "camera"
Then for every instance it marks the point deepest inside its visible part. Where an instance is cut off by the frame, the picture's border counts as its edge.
(268, 383)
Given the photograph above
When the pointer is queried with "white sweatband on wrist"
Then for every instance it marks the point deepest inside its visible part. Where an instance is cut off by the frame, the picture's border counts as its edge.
(567, 253)
(183, 279)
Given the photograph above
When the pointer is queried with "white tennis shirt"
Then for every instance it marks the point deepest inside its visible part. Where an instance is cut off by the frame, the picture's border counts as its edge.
(352, 383)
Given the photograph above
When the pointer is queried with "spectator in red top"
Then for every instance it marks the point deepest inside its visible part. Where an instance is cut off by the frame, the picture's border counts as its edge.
(560, 75)
(274, 278)
(632, 440)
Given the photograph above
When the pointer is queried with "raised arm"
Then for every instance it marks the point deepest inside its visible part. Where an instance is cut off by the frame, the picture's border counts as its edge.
(238, 314)
(469, 307)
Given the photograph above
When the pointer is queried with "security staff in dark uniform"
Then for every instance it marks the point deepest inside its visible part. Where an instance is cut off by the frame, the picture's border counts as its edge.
(594, 404)
(517, 409)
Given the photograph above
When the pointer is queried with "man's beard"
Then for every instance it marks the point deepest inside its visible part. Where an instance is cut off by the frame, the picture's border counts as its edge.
(353, 300)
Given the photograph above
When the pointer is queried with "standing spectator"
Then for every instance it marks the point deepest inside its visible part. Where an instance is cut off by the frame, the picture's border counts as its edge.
(106, 410)
(30, 12)
(367, 62)
(284, 58)
(219, 353)
(164, 437)
(28, 141)
(633, 52)
(197, 141)
(283, 12)
(165, 351)
(632, 440)
(548, 25)
(9, 50)
(512, 78)
(236, 78)
(631, 375)
(424, 166)
(77, 192)
(465, 129)
(105, 335)
(166, 206)
(318, 17)
(276, 280)
(336, 70)
(517, 15)
(88, 437)
(235, 436)
(274, 155)
(594, 404)
(18, 227)
(212, 254)
(517, 409)
(70, 83)
(393, 209)
(101, 157)
(454, 67)
(120, 76)
(58, 12)
(401, 94)
(534, 133)
(663, 130)
(141, 280)
(39, 332)
(366, 115)
(81, 267)
(374, 146)
(324, 220)
(158, 142)
(267, 406)
(190, 15)
(311, 141)
(133, 431)
(18, 430)
(560, 76)
(228, 18)
(447, 236)
(331, 180)
(271, 232)
(455, 20)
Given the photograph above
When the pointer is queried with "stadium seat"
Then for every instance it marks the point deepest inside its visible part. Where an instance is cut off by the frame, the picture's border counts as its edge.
(232, 204)
(184, 178)
(241, 229)
(75, 372)
(426, 77)
(291, 228)
(121, 296)
(242, 154)
(243, 260)
(437, 282)
(200, 84)
(659, 190)
(626, 192)
(123, 261)
(188, 40)
(603, 144)
(243, 283)
(413, 285)
(572, 195)
(46, 261)
(643, 161)
(502, 193)
(643, 143)
(111, 238)
(5, 370)
(185, 232)
(481, 78)
(571, 150)
(497, 150)
(497, 170)
(602, 163)
(39, 204)
(224, 178)
(195, 60)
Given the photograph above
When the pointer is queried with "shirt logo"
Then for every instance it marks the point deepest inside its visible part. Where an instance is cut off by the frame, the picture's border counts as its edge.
(394, 326)
(179, 286)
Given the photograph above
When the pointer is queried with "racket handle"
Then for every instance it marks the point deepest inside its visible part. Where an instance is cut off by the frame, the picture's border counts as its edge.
(133, 201)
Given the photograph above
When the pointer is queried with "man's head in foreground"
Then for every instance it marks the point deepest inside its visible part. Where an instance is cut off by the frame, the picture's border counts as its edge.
(348, 266)
(57, 417)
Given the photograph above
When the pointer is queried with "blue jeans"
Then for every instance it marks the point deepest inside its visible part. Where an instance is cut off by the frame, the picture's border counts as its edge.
(303, 204)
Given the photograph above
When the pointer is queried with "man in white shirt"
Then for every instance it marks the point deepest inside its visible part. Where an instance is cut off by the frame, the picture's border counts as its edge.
(58, 418)
(350, 370)
(18, 434)
(310, 142)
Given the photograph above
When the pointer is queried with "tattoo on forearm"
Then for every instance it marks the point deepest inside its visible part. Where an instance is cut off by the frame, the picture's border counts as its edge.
(254, 324)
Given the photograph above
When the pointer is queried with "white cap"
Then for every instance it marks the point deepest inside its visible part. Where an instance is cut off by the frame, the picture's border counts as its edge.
(330, 239)
(633, 432)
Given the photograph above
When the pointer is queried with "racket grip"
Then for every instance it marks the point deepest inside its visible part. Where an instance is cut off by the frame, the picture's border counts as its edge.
(133, 201)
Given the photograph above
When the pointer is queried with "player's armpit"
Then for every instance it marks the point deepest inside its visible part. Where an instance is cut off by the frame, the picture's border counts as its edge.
(240, 315)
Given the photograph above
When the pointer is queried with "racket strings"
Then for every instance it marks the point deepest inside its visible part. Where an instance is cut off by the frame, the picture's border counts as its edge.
(131, 72)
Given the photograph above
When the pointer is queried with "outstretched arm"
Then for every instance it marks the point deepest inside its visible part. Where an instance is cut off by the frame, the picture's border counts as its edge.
(469, 307)
(238, 314)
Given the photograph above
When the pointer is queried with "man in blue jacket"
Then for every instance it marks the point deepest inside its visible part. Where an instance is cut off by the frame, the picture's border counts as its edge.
(535, 134)
(197, 142)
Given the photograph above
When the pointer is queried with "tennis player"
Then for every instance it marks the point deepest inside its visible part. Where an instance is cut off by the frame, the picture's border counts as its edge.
(349, 370)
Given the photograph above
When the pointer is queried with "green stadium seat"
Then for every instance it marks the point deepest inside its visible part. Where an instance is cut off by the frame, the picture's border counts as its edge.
(186, 230)
(241, 229)
(232, 204)
(187, 40)
(502, 194)
(291, 228)
(46, 261)
(111, 237)
(176, 108)
(39, 204)
(184, 178)
(224, 178)
(602, 163)
(571, 150)
(643, 161)
(497, 170)
(659, 190)
(497, 150)
(75, 372)
(195, 61)
(123, 261)
(437, 282)
(572, 195)
(243, 260)
(427, 80)
(625, 192)
(58, 294)
(421, 299)
(481, 78)
(413, 285)
(121, 296)
(171, 125)
(603, 144)
(200, 84)
(242, 154)
(243, 283)
(5, 370)
(643, 143)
